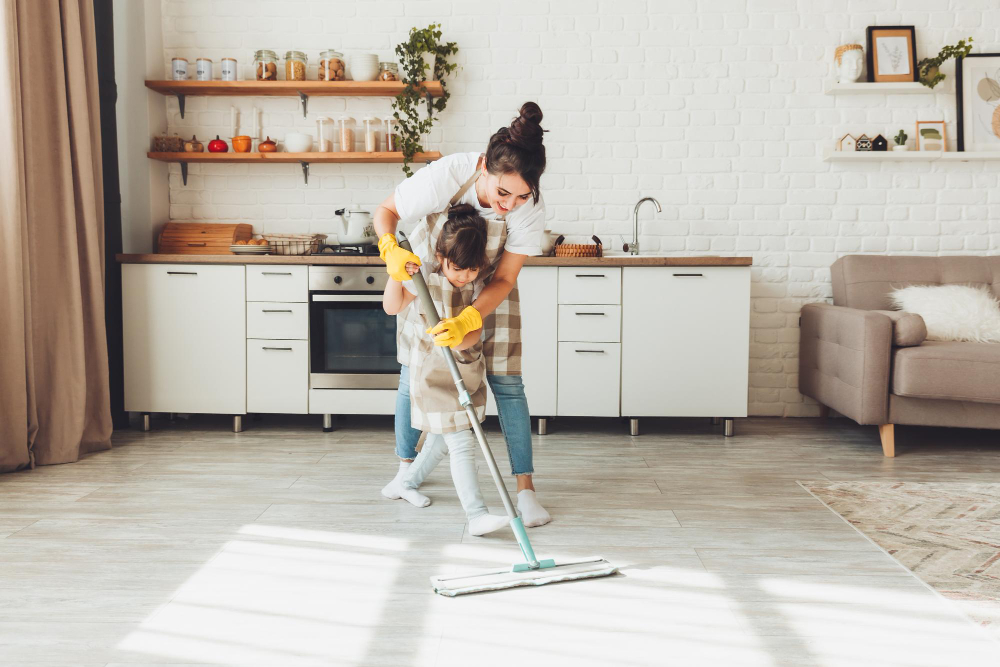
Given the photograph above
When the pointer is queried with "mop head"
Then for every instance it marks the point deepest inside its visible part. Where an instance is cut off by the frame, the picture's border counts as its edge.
(585, 568)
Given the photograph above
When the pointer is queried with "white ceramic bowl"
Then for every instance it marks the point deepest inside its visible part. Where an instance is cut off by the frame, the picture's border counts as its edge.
(364, 67)
(298, 142)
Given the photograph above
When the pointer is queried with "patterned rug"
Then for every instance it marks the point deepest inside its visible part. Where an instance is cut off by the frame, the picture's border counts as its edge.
(948, 534)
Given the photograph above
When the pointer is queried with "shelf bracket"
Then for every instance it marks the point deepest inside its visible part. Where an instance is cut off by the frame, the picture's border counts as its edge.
(304, 99)
(305, 171)
(180, 103)
(184, 172)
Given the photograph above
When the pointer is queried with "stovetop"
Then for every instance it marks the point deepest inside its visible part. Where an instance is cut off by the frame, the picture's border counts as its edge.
(368, 250)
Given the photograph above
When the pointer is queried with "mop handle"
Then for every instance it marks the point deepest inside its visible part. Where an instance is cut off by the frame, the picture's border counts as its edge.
(431, 315)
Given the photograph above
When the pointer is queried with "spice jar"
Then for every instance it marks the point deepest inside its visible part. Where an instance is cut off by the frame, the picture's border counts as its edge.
(388, 71)
(345, 127)
(371, 134)
(229, 69)
(295, 66)
(324, 134)
(391, 131)
(331, 66)
(265, 63)
(203, 69)
(179, 69)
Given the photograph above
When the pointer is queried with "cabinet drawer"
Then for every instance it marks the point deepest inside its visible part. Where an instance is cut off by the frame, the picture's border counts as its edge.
(585, 284)
(599, 324)
(278, 376)
(278, 283)
(589, 379)
(277, 320)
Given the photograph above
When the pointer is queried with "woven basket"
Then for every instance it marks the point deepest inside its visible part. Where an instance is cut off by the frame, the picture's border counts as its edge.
(294, 244)
(595, 249)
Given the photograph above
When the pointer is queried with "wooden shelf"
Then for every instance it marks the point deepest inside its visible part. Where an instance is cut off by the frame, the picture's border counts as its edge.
(244, 158)
(908, 156)
(886, 88)
(289, 88)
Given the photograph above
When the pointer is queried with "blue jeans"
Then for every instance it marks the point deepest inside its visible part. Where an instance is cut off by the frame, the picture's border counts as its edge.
(515, 421)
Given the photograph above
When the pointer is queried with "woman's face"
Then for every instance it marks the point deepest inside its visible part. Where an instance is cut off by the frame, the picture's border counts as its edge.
(457, 277)
(505, 192)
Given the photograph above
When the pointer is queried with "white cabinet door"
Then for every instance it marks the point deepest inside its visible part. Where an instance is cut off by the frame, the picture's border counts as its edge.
(184, 338)
(590, 284)
(537, 288)
(278, 376)
(267, 319)
(589, 376)
(685, 341)
(272, 282)
(600, 324)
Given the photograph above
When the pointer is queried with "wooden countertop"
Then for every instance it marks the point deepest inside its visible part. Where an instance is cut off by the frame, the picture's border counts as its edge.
(615, 260)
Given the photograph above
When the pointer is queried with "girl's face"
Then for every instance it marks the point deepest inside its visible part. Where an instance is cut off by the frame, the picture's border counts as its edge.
(505, 192)
(457, 277)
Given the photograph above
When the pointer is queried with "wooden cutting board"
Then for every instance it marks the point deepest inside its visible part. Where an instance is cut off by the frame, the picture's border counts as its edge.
(196, 238)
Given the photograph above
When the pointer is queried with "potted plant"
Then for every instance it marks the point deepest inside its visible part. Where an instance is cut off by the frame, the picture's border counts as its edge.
(423, 58)
(900, 140)
(929, 68)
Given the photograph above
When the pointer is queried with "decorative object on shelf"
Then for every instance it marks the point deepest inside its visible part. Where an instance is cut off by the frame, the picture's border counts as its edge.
(879, 143)
(847, 143)
(406, 106)
(595, 249)
(179, 69)
(331, 66)
(388, 71)
(928, 69)
(298, 142)
(194, 146)
(203, 70)
(356, 227)
(891, 53)
(267, 146)
(229, 67)
(849, 59)
(217, 145)
(864, 143)
(931, 135)
(242, 144)
(364, 66)
(900, 140)
(295, 65)
(978, 102)
(265, 64)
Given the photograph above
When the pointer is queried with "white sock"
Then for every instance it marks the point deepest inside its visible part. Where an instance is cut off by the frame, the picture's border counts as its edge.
(414, 497)
(393, 489)
(532, 513)
(487, 523)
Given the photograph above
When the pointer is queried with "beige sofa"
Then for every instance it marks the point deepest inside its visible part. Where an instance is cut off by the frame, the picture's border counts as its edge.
(873, 365)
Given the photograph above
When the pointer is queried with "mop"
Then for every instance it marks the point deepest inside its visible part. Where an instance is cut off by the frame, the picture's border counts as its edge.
(532, 572)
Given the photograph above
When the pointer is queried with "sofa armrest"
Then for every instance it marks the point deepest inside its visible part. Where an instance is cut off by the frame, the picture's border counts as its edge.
(844, 356)
(908, 329)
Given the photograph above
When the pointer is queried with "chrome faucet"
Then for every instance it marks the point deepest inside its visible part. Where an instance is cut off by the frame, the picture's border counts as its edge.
(633, 247)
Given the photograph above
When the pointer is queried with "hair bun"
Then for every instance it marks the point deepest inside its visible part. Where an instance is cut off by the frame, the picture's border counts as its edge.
(461, 211)
(526, 129)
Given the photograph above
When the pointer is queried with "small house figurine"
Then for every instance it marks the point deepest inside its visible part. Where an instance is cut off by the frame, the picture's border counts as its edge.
(879, 143)
(847, 143)
(864, 143)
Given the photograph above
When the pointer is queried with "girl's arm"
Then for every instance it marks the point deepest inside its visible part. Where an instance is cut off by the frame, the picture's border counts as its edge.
(395, 298)
(470, 339)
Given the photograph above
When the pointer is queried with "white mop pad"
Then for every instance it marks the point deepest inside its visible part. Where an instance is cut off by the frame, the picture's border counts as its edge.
(584, 568)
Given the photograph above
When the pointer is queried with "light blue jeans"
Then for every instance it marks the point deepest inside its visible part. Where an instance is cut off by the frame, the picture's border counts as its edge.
(512, 406)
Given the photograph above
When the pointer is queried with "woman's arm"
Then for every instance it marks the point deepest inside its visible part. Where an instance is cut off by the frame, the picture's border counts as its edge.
(470, 339)
(500, 284)
(386, 217)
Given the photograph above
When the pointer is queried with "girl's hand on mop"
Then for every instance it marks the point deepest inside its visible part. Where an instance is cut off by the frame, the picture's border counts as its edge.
(412, 268)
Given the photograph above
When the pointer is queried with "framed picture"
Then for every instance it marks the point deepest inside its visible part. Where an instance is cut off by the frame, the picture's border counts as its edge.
(978, 101)
(892, 53)
(931, 136)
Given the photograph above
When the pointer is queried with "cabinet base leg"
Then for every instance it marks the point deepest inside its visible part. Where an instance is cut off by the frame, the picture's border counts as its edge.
(237, 423)
(145, 421)
(715, 421)
(729, 427)
(327, 423)
(543, 426)
(633, 427)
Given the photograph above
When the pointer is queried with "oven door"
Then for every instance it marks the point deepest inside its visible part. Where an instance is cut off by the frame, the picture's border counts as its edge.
(352, 342)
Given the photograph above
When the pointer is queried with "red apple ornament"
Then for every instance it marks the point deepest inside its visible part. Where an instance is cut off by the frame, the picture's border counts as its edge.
(217, 145)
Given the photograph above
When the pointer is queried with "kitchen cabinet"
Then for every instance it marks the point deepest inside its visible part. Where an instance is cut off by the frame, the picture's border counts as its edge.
(184, 338)
(278, 376)
(589, 377)
(278, 283)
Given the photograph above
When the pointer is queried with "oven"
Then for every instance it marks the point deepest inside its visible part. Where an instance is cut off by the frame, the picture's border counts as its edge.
(352, 341)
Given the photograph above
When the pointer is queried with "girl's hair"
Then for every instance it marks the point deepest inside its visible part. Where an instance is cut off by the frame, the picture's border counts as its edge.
(463, 238)
(518, 149)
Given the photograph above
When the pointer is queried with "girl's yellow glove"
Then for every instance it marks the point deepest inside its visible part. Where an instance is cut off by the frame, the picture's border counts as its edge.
(395, 258)
(452, 331)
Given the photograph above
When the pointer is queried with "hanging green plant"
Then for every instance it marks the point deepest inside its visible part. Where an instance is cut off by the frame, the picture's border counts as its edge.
(929, 68)
(407, 105)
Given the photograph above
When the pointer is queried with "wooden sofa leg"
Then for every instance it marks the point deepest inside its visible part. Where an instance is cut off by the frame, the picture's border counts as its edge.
(824, 411)
(887, 434)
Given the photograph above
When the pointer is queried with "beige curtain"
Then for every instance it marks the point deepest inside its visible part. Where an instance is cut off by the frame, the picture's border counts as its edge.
(54, 400)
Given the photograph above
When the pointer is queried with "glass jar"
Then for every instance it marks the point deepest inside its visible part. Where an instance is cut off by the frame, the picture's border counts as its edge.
(229, 69)
(388, 71)
(203, 69)
(371, 134)
(265, 64)
(391, 132)
(179, 69)
(331, 65)
(295, 66)
(324, 134)
(345, 128)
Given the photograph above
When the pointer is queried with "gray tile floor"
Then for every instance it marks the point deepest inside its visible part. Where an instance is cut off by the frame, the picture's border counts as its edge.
(194, 545)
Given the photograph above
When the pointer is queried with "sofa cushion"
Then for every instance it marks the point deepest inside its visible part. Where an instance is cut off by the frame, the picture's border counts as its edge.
(953, 312)
(948, 370)
(908, 329)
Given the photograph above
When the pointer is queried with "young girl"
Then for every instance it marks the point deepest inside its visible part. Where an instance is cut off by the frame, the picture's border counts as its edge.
(460, 252)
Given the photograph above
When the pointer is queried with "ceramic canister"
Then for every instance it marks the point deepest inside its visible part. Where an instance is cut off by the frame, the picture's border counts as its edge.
(203, 69)
(179, 69)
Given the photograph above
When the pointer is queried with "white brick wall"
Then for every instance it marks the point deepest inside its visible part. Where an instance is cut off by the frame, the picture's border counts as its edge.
(715, 107)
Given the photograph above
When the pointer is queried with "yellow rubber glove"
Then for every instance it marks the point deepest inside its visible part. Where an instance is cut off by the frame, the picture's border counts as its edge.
(395, 258)
(452, 331)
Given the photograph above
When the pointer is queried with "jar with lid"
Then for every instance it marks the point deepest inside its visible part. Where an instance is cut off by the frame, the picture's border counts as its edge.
(229, 69)
(179, 69)
(371, 134)
(324, 134)
(331, 65)
(345, 128)
(265, 64)
(203, 69)
(295, 66)
(391, 130)
(388, 71)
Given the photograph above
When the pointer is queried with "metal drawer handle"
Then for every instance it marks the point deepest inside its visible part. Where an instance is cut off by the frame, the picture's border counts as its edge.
(279, 349)
(275, 273)
(591, 275)
(593, 351)
(689, 275)
(266, 310)
(591, 313)
(182, 273)
(196, 245)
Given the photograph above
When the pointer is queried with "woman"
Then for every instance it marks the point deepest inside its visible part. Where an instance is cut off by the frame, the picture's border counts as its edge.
(503, 185)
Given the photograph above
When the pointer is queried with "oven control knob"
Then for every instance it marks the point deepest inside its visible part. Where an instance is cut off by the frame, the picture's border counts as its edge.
(370, 280)
(338, 279)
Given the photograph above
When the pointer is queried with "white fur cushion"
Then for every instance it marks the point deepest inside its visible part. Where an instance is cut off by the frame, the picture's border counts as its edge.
(953, 312)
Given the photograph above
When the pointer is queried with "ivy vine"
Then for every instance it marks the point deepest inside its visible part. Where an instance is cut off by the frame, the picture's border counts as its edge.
(928, 70)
